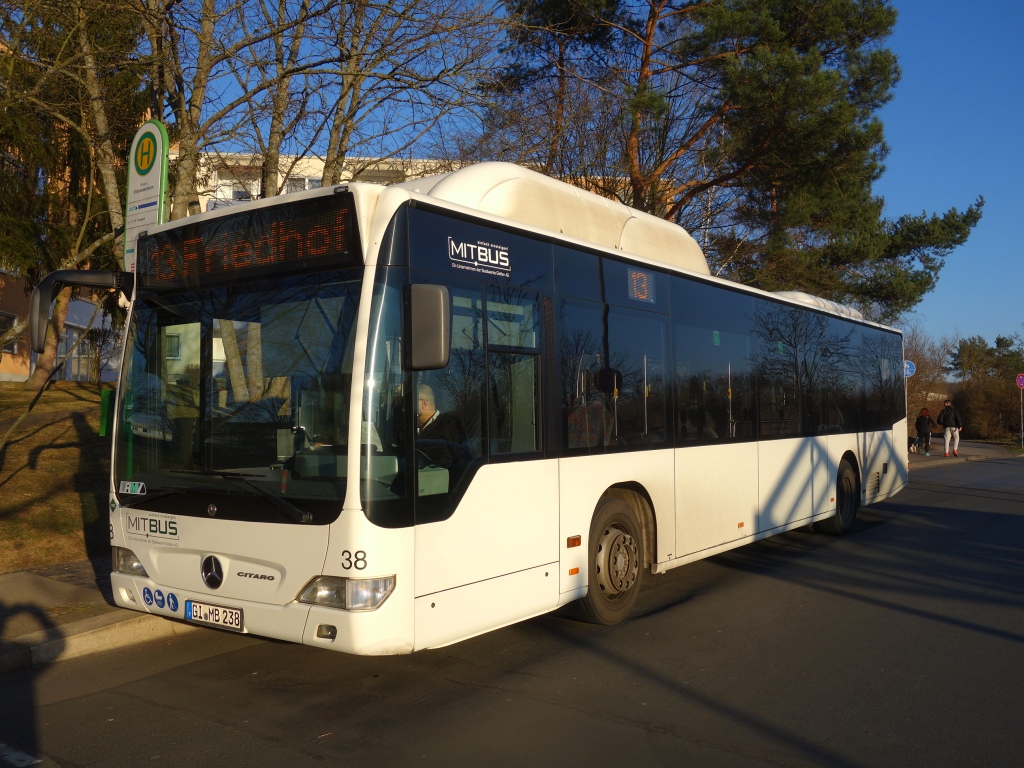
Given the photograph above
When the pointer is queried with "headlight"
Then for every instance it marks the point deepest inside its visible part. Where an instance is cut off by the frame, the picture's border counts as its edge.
(368, 594)
(125, 561)
(348, 594)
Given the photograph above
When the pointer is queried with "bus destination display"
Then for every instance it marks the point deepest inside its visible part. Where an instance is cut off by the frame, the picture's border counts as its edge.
(304, 234)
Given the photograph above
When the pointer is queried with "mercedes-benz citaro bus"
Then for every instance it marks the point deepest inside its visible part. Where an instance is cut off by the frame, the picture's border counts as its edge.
(382, 419)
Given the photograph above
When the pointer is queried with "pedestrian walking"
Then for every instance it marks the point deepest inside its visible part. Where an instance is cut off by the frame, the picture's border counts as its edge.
(951, 423)
(924, 425)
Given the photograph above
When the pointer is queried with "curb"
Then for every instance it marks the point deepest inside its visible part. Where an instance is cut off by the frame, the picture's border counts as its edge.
(81, 638)
(942, 461)
(945, 461)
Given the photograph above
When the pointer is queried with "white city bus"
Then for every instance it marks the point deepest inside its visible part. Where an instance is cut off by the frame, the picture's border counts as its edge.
(539, 393)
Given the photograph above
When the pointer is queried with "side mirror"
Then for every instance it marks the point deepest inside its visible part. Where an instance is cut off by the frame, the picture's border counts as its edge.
(42, 296)
(429, 327)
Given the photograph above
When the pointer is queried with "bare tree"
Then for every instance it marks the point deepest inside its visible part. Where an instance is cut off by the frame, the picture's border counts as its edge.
(928, 386)
(402, 70)
(275, 73)
(320, 77)
(194, 48)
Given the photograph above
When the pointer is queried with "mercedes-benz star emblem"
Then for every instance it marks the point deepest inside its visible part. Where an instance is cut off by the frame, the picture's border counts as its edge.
(213, 572)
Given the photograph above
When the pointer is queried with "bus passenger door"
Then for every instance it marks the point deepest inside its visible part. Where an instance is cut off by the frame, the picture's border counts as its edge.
(487, 500)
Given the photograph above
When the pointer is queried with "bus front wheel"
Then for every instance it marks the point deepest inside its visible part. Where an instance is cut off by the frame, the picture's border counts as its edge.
(847, 501)
(616, 560)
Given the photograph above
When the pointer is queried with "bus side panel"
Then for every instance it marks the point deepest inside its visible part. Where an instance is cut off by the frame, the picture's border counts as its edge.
(881, 459)
(716, 495)
(880, 466)
(838, 445)
(867, 455)
(506, 522)
(901, 476)
(364, 551)
(822, 482)
(583, 479)
(458, 614)
(784, 481)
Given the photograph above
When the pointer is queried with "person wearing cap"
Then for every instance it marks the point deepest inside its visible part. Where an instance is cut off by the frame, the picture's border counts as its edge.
(951, 423)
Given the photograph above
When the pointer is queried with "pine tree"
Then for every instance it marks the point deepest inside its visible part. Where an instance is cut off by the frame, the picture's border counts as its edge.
(988, 397)
(754, 124)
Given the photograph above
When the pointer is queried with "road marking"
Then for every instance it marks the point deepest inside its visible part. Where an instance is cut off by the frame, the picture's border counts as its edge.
(18, 759)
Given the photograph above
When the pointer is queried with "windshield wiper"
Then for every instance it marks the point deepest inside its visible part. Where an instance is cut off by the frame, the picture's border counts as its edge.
(141, 497)
(283, 505)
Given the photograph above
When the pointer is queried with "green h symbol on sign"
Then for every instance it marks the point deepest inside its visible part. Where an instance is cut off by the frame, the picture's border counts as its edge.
(145, 153)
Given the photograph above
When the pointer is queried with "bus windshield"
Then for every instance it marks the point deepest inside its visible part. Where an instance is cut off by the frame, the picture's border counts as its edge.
(239, 396)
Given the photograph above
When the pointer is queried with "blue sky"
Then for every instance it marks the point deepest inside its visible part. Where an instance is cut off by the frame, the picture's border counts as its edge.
(956, 130)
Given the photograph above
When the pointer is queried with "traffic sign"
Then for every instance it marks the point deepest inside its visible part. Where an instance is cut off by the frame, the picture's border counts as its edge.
(146, 205)
(1020, 383)
(908, 368)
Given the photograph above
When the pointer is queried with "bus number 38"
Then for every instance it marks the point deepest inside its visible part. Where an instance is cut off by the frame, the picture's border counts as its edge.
(350, 560)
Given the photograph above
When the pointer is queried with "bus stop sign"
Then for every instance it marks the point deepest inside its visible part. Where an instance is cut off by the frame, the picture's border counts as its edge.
(908, 368)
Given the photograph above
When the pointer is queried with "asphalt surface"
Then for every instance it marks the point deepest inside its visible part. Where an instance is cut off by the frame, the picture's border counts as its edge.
(64, 611)
(897, 645)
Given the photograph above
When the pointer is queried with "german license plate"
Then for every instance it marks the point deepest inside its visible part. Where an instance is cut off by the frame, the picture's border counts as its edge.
(214, 615)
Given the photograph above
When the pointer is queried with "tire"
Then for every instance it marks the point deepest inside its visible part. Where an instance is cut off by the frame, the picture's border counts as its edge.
(615, 560)
(847, 502)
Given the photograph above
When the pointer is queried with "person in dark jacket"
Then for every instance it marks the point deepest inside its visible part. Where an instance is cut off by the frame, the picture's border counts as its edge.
(438, 435)
(924, 426)
(951, 423)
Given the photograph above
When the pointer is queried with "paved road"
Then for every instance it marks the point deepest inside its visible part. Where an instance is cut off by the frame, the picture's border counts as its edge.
(899, 645)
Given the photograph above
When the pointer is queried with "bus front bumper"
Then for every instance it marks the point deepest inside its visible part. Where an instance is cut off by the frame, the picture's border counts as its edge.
(385, 631)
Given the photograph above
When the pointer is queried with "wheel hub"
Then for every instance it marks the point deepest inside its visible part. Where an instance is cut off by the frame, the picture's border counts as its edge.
(617, 561)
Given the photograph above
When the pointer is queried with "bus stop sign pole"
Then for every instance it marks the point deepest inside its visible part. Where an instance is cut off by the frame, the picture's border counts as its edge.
(1020, 385)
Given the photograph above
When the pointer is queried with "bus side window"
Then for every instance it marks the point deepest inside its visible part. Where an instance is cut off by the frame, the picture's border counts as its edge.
(714, 382)
(513, 341)
(638, 351)
(581, 350)
(513, 402)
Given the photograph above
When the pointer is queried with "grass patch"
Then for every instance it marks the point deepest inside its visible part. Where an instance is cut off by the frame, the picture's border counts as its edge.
(1012, 444)
(54, 476)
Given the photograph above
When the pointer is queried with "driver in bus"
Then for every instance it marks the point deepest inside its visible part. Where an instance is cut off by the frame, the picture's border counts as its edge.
(438, 435)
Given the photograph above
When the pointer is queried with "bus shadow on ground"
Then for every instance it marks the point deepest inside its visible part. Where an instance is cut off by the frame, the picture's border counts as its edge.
(905, 559)
(20, 742)
(959, 570)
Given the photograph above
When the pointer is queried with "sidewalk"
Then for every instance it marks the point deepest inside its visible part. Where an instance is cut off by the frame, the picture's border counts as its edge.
(67, 610)
(969, 451)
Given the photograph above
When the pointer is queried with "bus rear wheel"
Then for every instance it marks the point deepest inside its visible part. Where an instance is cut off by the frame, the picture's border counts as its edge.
(616, 561)
(847, 501)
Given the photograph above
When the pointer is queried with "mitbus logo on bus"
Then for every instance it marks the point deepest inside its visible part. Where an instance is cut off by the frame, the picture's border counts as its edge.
(151, 526)
(480, 257)
(282, 242)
